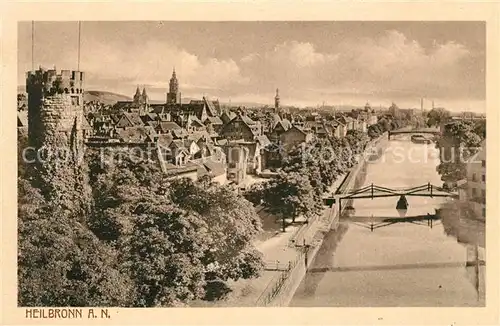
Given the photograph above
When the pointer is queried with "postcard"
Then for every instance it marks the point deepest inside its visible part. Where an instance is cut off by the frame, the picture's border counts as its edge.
(250, 163)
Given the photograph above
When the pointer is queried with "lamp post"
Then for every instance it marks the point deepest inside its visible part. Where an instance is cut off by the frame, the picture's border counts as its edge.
(306, 251)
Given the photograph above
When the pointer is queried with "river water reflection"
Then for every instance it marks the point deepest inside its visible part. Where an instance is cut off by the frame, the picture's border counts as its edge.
(401, 264)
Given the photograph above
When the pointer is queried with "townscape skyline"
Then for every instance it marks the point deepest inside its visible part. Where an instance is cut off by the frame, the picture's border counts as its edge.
(336, 63)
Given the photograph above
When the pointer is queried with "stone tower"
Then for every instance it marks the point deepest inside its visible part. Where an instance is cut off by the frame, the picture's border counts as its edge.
(277, 101)
(55, 109)
(55, 130)
(173, 95)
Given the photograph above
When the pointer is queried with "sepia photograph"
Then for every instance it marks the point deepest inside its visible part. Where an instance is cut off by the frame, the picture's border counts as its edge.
(250, 164)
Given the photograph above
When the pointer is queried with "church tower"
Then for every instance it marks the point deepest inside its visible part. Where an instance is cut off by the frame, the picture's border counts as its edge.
(277, 101)
(173, 95)
(144, 97)
(137, 96)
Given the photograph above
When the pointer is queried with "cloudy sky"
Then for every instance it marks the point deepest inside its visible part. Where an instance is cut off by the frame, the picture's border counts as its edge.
(310, 62)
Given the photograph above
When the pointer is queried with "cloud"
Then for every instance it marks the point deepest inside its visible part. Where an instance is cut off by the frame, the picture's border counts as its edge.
(390, 66)
(152, 63)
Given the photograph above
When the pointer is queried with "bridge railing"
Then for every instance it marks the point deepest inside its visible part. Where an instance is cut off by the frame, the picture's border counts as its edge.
(380, 191)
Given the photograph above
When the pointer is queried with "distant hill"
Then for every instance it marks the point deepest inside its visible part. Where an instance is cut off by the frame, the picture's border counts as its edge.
(107, 98)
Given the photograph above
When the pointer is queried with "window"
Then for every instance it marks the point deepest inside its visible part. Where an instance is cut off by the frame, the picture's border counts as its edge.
(75, 100)
(474, 177)
(483, 193)
(232, 165)
(483, 177)
(483, 163)
(484, 212)
(474, 192)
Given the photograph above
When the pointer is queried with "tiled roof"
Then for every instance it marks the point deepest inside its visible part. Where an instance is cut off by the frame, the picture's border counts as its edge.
(165, 140)
(215, 120)
(158, 108)
(302, 130)
(216, 104)
(134, 120)
(196, 136)
(247, 120)
(177, 143)
(153, 124)
(211, 107)
(227, 116)
(133, 134)
(124, 105)
(85, 124)
(172, 170)
(263, 140)
(179, 133)
(149, 117)
(166, 126)
(196, 121)
(215, 168)
(284, 123)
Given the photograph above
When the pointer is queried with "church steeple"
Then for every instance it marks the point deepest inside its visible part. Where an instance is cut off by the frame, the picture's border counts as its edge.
(137, 96)
(173, 93)
(144, 96)
(277, 99)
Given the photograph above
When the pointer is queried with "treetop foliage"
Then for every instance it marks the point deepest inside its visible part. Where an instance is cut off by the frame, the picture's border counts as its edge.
(145, 241)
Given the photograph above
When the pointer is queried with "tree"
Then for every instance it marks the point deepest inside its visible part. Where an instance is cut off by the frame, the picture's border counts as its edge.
(385, 124)
(255, 194)
(436, 116)
(394, 125)
(452, 215)
(457, 144)
(232, 225)
(165, 255)
(60, 262)
(290, 195)
(480, 128)
(146, 241)
(374, 131)
(356, 140)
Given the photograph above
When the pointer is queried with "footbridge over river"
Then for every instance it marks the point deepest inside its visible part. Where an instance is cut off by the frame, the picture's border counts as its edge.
(432, 131)
(373, 191)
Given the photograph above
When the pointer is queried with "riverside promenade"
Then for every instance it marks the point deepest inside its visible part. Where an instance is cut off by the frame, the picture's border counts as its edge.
(279, 251)
(284, 253)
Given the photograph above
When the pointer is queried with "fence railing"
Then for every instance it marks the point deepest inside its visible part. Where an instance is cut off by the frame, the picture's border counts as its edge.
(277, 285)
(270, 265)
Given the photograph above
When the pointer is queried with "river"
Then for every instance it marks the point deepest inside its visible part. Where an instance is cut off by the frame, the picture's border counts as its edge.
(402, 264)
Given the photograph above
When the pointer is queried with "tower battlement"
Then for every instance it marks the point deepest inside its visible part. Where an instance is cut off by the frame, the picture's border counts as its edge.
(51, 82)
(55, 107)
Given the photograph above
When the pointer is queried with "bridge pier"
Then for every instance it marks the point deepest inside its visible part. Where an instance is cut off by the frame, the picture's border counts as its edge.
(388, 135)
